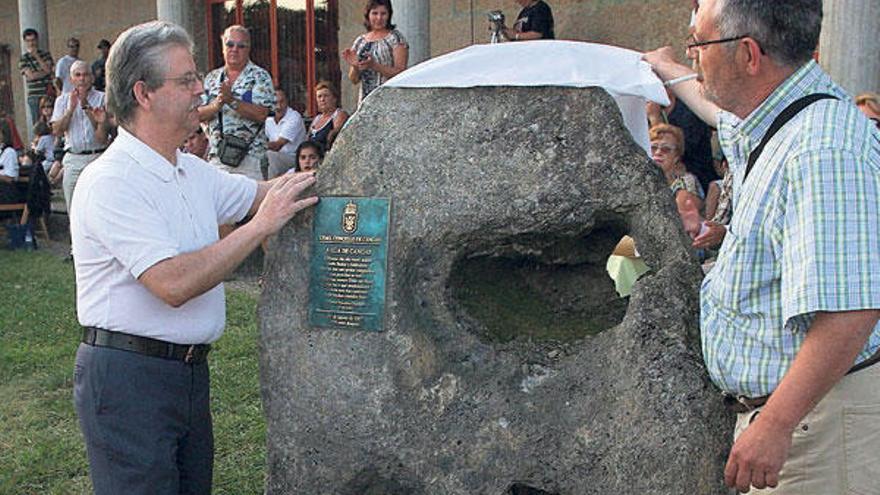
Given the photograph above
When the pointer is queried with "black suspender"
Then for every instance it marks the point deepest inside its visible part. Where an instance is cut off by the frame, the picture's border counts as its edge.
(781, 119)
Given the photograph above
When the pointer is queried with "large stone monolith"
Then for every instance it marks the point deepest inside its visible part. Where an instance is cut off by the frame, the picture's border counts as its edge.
(507, 364)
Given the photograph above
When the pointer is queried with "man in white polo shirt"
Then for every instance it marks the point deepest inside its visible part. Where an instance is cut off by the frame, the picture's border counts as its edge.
(285, 130)
(149, 271)
(79, 116)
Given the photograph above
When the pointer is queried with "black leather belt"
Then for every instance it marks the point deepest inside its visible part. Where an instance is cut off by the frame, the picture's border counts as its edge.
(190, 354)
(87, 152)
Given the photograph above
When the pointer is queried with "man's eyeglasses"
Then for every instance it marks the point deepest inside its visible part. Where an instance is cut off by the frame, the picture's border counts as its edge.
(665, 148)
(190, 79)
(696, 44)
(693, 43)
(241, 45)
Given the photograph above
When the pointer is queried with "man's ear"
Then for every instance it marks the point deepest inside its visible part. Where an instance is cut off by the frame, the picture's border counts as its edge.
(754, 55)
(142, 94)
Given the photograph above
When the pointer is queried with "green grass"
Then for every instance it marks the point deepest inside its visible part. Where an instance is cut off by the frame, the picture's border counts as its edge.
(41, 448)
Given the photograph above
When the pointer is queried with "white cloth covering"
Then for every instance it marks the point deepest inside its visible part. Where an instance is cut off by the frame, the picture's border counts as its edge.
(133, 209)
(621, 72)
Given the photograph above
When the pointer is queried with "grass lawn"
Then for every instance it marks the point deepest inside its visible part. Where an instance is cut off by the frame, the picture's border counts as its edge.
(41, 448)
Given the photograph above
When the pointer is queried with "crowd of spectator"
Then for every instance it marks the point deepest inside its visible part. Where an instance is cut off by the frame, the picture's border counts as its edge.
(248, 125)
(250, 128)
(248, 132)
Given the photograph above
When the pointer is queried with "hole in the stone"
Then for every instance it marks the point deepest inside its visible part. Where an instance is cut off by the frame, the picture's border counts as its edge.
(523, 489)
(560, 292)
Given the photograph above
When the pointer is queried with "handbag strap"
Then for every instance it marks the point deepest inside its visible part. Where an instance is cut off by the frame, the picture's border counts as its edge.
(220, 115)
(787, 114)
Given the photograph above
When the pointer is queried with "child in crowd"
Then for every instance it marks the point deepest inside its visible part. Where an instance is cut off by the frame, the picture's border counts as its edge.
(308, 156)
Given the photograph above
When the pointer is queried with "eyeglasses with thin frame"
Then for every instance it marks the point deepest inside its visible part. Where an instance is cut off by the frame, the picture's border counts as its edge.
(697, 44)
(190, 79)
(241, 45)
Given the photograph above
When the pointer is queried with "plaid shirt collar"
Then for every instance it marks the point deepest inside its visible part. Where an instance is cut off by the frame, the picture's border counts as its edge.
(751, 130)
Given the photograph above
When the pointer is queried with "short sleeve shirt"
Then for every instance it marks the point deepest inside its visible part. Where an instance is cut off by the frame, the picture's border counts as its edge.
(80, 135)
(688, 182)
(253, 85)
(803, 237)
(382, 51)
(9, 162)
(137, 210)
(37, 87)
(290, 127)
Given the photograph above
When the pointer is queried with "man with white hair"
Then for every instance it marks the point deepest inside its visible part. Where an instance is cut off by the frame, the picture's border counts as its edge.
(237, 100)
(789, 313)
(80, 117)
(149, 271)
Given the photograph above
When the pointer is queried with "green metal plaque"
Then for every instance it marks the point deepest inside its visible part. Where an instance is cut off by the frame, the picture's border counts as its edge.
(349, 263)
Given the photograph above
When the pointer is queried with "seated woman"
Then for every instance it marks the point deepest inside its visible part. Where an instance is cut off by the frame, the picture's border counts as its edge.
(9, 191)
(44, 144)
(330, 118)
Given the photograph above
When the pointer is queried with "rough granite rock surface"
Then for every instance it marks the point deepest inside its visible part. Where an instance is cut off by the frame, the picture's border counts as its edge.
(507, 364)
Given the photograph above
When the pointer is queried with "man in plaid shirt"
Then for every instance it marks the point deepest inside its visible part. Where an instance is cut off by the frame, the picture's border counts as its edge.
(790, 310)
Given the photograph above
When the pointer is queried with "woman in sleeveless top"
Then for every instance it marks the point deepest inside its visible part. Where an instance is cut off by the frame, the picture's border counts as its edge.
(379, 54)
(330, 118)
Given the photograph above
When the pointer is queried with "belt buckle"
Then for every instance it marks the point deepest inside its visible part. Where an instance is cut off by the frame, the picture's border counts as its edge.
(188, 358)
(742, 400)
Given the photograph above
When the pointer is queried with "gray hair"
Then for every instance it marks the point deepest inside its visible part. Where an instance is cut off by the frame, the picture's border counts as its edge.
(80, 63)
(236, 28)
(787, 30)
(139, 55)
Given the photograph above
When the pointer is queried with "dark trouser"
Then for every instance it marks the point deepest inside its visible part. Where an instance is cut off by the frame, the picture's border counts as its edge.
(33, 103)
(146, 422)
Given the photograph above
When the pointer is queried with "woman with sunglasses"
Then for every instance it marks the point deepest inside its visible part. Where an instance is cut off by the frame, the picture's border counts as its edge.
(667, 148)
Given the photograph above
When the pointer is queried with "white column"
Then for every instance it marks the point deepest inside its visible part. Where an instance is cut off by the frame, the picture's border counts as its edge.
(849, 44)
(413, 19)
(32, 14)
(176, 11)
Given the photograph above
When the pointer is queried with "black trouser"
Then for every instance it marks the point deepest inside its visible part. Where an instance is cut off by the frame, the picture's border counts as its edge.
(146, 422)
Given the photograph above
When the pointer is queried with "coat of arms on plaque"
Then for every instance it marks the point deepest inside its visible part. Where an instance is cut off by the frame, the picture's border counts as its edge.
(350, 218)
